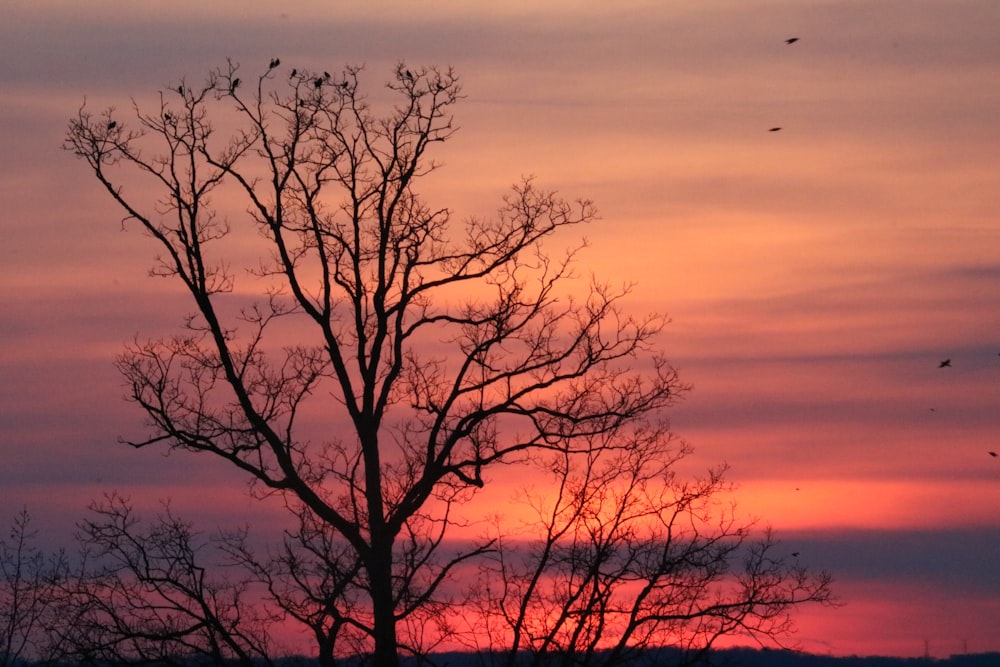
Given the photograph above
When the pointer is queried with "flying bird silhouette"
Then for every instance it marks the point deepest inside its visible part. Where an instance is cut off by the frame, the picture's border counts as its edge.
(795, 554)
(993, 454)
(791, 40)
(774, 129)
(945, 364)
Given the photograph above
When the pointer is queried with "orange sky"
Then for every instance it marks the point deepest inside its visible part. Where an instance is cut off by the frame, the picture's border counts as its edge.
(814, 276)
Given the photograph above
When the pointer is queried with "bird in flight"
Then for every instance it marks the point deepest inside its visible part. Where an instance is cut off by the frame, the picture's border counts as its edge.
(791, 40)
(993, 454)
(945, 364)
(774, 129)
(795, 554)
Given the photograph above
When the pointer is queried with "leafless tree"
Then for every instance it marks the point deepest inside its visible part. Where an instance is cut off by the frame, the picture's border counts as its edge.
(376, 359)
(313, 577)
(144, 594)
(29, 579)
(618, 556)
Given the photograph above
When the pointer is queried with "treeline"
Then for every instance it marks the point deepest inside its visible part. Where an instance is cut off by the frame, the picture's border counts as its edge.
(141, 594)
(748, 657)
(735, 657)
(759, 658)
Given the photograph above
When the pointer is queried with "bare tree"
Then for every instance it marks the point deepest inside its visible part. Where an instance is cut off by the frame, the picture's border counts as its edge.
(144, 594)
(29, 580)
(313, 577)
(375, 359)
(618, 556)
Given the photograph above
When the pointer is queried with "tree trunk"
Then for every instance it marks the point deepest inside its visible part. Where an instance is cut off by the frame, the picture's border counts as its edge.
(383, 605)
(379, 562)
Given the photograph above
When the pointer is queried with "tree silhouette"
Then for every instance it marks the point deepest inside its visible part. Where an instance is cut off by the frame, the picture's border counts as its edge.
(144, 594)
(620, 556)
(376, 359)
(29, 582)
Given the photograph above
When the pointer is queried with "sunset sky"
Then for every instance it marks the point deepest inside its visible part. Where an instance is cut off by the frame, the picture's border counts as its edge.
(815, 276)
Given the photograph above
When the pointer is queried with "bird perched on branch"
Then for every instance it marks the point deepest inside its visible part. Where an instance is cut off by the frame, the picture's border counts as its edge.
(274, 63)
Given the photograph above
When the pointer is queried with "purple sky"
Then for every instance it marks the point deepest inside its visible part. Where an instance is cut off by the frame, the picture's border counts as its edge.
(815, 276)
